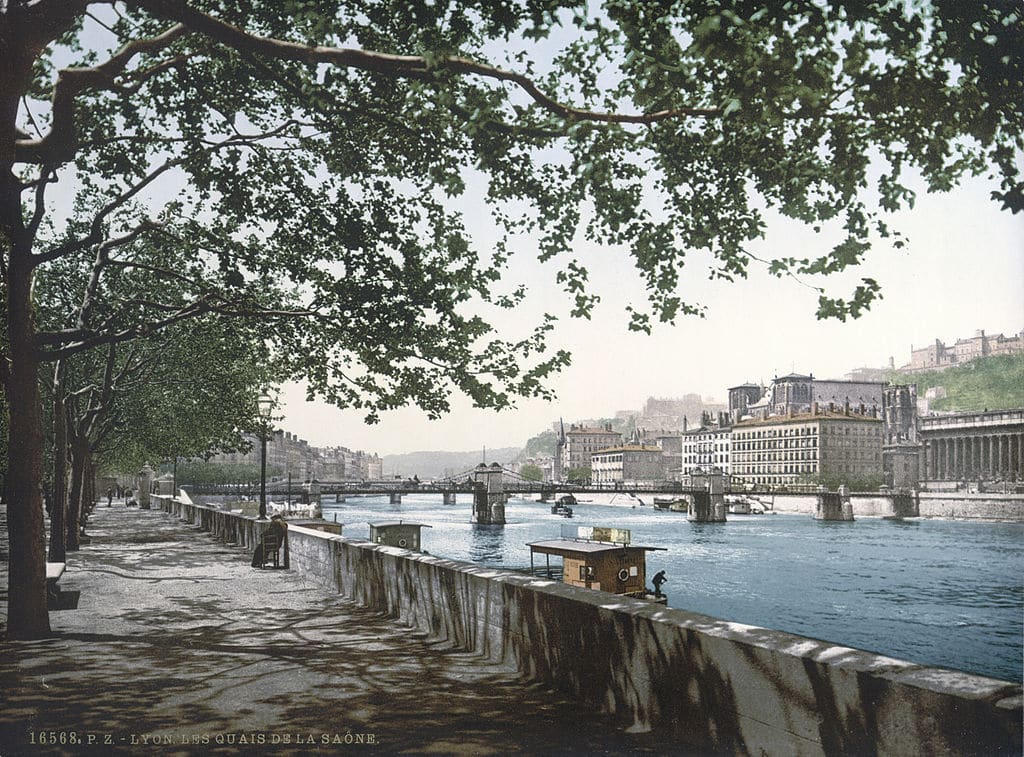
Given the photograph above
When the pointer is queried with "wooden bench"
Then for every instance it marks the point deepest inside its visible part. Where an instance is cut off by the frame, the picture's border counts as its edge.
(55, 598)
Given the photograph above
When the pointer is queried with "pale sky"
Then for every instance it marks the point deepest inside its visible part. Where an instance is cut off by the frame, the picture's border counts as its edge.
(963, 270)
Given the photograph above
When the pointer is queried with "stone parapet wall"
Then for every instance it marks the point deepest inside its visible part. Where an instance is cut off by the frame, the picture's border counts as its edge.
(962, 505)
(792, 503)
(710, 684)
(972, 506)
(864, 505)
(224, 525)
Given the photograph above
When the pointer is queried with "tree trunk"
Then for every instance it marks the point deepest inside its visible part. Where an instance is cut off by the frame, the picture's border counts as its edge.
(27, 616)
(79, 460)
(22, 37)
(88, 488)
(59, 495)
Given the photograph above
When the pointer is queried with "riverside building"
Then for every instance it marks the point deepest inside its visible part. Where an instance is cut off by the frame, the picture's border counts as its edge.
(819, 447)
(628, 463)
(974, 446)
(707, 447)
(576, 445)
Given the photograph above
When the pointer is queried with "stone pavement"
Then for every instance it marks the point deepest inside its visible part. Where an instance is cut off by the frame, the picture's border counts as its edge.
(178, 646)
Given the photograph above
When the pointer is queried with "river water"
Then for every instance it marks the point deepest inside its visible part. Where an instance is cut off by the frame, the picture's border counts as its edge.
(934, 592)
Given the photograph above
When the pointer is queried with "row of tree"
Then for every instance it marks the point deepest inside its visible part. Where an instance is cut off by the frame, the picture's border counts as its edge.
(193, 190)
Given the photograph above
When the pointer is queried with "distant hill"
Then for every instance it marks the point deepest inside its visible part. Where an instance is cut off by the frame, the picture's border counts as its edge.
(441, 464)
(990, 383)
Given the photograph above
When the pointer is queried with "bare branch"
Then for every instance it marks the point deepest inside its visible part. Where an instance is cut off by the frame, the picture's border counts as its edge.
(82, 341)
(101, 261)
(60, 144)
(46, 176)
(396, 65)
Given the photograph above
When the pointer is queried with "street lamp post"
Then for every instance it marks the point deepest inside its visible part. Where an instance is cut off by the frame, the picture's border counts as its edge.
(264, 403)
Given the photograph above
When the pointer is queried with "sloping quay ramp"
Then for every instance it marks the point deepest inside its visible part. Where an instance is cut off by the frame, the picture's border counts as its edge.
(715, 686)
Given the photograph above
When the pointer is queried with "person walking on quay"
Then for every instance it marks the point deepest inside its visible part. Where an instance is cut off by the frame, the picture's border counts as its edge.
(658, 580)
(110, 496)
(278, 530)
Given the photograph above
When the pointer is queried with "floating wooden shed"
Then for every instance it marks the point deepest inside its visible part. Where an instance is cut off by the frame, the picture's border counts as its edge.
(397, 534)
(598, 558)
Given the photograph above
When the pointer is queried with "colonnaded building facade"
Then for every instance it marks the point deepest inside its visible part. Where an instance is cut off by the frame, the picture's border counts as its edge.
(974, 446)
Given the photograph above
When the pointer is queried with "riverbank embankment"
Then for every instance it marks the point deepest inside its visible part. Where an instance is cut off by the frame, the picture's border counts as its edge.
(179, 647)
(707, 683)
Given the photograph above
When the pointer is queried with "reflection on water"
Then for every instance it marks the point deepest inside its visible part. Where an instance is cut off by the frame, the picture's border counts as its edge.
(933, 592)
(486, 544)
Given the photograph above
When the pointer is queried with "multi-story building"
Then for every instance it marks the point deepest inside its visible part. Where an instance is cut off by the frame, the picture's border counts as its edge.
(627, 463)
(290, 456)
(705, 447)
(576, 445)
(671, 446)
(938, 355)
(826, 447)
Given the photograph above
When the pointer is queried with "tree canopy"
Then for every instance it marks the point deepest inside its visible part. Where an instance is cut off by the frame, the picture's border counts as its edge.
(309, 166)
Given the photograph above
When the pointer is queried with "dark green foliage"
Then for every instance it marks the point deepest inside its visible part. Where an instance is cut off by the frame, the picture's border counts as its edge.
(541, 445)
(531, 473)
(198, 472)
(579, 475)
(989, 383)
(331, 189)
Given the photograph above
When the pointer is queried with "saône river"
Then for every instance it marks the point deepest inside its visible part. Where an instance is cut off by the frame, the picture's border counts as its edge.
(934, 592)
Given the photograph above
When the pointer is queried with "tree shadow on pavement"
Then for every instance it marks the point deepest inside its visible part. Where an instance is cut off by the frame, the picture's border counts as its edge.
(179, 639)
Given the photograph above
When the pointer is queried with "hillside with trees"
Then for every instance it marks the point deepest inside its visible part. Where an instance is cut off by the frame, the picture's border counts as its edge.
(989, 383)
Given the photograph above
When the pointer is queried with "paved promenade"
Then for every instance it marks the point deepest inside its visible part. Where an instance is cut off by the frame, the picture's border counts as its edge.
(177, 639)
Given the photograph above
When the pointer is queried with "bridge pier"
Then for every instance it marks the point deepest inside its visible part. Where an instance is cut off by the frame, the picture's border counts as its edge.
(547, 493)
(395, 498)
(708, 505)
(488, 495)
(834, 506)
(448, 498)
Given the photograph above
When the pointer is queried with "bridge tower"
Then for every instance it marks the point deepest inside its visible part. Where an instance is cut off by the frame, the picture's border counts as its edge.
(708, 504)
(834, 505)
(489, 495)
